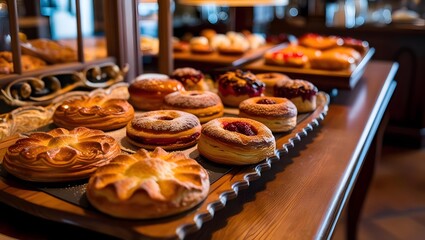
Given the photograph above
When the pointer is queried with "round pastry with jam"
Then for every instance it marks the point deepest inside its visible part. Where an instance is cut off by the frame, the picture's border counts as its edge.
(191, 78)
(236, 86)
(300, 92)
(236, 141)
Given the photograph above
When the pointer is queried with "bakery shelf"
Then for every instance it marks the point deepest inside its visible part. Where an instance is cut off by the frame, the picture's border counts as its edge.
(323, 79)
(46, 202)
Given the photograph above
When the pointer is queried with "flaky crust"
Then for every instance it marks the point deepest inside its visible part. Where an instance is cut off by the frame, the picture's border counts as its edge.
(278, 114)
(228, 147)
(169, 129)
(203, 104)
(148, 185)
(148, 94)
(60, 155)
(94, 112)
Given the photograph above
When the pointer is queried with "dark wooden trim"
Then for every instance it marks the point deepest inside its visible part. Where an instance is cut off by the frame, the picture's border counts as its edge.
(165, 33)
(14, 34)
(80, 46)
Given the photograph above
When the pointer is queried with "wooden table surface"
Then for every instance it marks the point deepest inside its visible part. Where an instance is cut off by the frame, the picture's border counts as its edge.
(302, 196)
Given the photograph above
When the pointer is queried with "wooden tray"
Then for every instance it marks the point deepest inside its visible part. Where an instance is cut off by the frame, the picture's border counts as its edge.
(30, 199)
(323, 79)
(217, 60)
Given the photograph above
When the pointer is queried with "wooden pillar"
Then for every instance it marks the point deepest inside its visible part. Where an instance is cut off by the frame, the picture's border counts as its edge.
(165, 34)
(14, 34)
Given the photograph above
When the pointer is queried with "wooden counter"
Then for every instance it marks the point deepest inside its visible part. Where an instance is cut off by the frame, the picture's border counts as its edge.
(302, 196)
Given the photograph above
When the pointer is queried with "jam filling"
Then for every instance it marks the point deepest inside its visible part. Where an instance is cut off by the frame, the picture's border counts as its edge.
(266, 101)
(242, 83)
(189, 77)
(240, 127)
(305, 94)
(285, 56)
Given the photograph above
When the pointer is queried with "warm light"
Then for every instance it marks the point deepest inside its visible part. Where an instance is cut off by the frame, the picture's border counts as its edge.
(235, 3)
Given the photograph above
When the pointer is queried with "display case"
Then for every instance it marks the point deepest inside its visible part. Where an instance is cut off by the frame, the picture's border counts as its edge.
(43, 57)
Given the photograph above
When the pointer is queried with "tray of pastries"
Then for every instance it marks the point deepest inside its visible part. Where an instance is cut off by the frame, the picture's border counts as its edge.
(216, 50)
(116, 164)
(327, 61)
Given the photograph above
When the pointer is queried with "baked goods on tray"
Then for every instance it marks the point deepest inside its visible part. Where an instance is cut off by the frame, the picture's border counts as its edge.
(49, 50)
(314, 51)
(278, 114)
(236, 86)
(28, 62)
(205, 105)
(96, 112)
(168, 129)
(270, 79)
(60, 155)
(236, 141)
(148, 185)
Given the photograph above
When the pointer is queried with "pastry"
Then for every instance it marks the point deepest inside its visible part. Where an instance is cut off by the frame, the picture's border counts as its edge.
(278, 114)
(356, 44)
(320, 42)
(49, 50)
(96, 112)
(287, 59)
(28, 63)
(203, 104)
(236, 86)
(300, 92)
(236, 141)
(148, 185)
(148, 94)
(60, 155)
(169, 129)
(332, 61)
(200, 45)
(270, 80)
(191, 78)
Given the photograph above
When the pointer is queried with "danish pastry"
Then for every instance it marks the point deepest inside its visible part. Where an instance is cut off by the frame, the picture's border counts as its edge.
(191, 78)
(300, 92)
(236, 141)
(148, 185)
(60, 155)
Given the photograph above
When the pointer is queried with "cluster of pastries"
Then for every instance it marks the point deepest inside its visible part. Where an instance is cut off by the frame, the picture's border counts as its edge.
(28, 62)
(230, 43)
(319, 52)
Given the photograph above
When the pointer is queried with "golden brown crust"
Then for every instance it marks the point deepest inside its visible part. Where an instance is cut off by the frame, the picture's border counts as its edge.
(270, 79)
(332, 61)
(320, 42)
(169, 129)
(60, 155)
(191, 78)
(148, 185)
(230, 147)
(148, 94)
(278, 114)
(50, 51)
(93, 112)
(203, 104)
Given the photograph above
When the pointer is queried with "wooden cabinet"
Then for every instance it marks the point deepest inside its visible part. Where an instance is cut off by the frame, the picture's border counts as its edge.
(118, 45)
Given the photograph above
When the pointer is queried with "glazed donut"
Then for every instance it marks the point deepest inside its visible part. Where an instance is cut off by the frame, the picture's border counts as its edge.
(316, 41)
(278, 114)
(236, 86)
(148, 94)
(203, 104)
(300, 92)
(60, 155)
(236, 141)
(169, 129)
(270, 80)
(148, 185)
(191, 78)
(96, 112)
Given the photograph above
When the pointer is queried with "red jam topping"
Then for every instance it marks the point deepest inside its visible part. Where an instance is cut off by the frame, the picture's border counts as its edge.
(266, 101)
(240, 83)
(240, 127)
(195, 78)
(284, 56)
